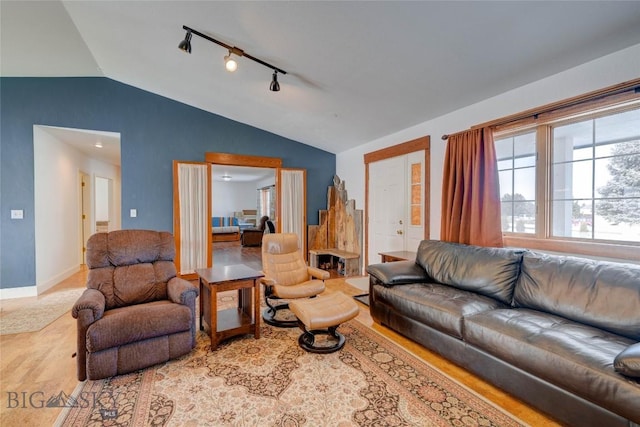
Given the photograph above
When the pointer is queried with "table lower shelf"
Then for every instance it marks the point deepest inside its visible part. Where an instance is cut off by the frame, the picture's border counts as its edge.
(231, 322)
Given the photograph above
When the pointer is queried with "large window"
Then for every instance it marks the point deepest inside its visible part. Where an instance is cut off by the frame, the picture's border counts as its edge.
(596, 178)
(573, 181)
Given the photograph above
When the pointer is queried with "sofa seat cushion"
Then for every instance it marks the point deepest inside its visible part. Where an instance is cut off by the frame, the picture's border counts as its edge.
(438, 306)
(225, 230)
(574, 356)
(136, 323)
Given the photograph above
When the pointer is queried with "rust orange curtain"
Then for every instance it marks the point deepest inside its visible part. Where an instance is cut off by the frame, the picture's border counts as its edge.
(470, 190)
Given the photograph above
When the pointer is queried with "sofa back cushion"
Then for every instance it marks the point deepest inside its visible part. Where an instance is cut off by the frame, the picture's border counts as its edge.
(488, 271)
(602, 294)
(130, 266)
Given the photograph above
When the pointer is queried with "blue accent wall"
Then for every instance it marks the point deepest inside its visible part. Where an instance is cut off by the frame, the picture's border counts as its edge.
(154, 131)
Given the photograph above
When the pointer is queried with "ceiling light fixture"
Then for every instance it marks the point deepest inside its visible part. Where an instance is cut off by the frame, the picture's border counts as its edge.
(226, 177)
(229, 61)
(185, 45)
(275, 86)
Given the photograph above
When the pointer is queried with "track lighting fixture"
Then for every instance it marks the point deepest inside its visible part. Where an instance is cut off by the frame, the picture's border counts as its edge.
(185, 44)
(275, 86)
(230, 62)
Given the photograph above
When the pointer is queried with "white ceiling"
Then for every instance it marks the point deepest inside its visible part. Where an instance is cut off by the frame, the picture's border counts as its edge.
(241, 174)
(357, 71)
(86, 141)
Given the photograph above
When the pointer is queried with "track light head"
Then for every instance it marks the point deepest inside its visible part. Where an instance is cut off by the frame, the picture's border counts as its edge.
(185, 44)
(230, 64)
(275, 86)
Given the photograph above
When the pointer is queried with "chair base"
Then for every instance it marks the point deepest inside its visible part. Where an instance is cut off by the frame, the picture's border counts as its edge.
(269, 317)
(307, 340)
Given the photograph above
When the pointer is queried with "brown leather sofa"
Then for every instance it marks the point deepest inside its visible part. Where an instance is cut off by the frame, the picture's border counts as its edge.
(135, 312)
(560, 333)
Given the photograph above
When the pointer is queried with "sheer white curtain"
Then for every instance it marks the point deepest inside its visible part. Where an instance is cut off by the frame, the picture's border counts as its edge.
(195, 227)
(293, 204)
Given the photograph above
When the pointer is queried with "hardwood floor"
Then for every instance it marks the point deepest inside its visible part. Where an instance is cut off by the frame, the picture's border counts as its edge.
(35, 366)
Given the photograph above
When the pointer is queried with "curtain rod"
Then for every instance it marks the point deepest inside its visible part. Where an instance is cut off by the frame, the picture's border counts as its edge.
(631, 85)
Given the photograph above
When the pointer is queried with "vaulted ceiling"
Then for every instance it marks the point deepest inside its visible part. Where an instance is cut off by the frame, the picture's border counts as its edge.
(357, 71)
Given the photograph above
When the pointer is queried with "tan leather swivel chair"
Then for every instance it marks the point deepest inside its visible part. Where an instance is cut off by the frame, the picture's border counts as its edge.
(287, 276)
(135, 312)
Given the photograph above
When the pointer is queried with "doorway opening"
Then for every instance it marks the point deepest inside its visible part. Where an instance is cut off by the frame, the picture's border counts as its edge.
(65, 209)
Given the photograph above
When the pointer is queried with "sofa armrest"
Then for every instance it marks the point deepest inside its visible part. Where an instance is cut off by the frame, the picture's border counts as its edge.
(398, 273)
(88, 309)
(318, 273)
(92, 300)
(181, 291)
(267, 281)
(628, 362)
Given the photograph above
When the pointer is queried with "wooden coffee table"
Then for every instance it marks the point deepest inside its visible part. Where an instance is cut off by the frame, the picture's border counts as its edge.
(243, 319)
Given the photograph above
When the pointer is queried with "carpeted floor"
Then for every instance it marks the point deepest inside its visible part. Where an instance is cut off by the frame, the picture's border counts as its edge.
(40, 313)
(272, 382)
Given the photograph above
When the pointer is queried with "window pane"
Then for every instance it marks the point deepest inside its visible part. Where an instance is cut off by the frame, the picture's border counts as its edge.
(572, 180)
(507, 216)
(573, 142)
(506, 183)
(524, 219)
(504, 149)
(518, 215)
(620, 176)
(625, 125)
(525, 183)
(628, 147)
(572, 218)
(617, 219)
(524, 150)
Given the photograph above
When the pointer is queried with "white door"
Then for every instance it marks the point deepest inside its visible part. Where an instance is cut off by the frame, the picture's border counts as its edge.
(387, 204)
(396, 204)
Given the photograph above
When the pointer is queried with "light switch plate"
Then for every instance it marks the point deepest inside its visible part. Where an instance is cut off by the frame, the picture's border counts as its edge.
(133, 213)
(17, 214)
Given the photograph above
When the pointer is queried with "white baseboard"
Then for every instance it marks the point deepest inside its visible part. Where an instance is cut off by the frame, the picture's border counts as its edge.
(50, 283)
(21, 292)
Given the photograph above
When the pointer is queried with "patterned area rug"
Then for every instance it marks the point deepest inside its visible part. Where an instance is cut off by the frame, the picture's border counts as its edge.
(272, 382)
(40, 313)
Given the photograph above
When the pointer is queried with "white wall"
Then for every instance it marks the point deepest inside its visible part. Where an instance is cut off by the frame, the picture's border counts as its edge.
(605, 71)
(57, 205)
(230, 197)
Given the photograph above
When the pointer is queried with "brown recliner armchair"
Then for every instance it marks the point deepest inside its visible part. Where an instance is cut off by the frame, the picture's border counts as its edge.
(253, 236)
(135, 312)
(286, 277)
